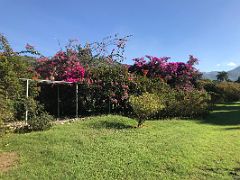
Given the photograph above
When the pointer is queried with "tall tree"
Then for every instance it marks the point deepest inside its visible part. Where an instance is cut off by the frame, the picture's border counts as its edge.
(222, 76)
(12, 67)
(5, 48)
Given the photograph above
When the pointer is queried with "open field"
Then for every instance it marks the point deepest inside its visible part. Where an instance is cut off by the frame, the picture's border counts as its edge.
(109, 147)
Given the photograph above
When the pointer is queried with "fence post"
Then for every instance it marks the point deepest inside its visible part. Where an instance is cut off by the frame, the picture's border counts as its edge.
(26, 115)
(58, 101)
(76, 100)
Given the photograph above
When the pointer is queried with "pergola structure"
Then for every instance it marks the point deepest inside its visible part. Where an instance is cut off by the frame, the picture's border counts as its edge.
(58, 98)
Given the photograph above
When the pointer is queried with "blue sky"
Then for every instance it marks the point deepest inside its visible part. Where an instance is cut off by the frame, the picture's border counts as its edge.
(208, 29)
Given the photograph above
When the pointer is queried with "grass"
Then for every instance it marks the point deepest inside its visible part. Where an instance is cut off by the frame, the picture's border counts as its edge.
(108, 147)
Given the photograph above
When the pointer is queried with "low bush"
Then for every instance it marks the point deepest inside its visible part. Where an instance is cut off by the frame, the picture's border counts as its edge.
(38, 118)
(40, 122)
(193, 103)
(145, 106)
(213, 91)
(176, 102)
(6, 113)
(222, 91)
(230, 91)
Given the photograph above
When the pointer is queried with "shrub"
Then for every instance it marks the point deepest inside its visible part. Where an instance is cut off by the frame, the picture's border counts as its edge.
(145, 106)
(222, 91)
(176, 74)
(230, 91)
(40, 122)
(6, 112)
(213, 91)
(151, 85)
(12, 67)
(186, 103)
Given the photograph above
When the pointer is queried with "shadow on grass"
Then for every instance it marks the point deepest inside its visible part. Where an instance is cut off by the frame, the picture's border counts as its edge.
(235, 172)
(110, 125)
(227, 114)
(233, 128)
(22, 130)
(227, 108)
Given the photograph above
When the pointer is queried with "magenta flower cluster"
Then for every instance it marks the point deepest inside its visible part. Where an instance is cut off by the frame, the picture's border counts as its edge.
(64, 66)
(177, 74)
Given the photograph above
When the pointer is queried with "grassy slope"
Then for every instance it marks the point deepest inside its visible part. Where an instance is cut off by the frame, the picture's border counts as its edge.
(108, 148)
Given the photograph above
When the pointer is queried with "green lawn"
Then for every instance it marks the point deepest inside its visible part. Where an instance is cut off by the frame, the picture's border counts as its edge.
(107, 147)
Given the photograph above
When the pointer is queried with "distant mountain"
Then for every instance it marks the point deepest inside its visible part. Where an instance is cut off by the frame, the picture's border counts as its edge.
(232, 74)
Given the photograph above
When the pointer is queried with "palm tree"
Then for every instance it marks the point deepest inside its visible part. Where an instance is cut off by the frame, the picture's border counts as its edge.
(222, 76)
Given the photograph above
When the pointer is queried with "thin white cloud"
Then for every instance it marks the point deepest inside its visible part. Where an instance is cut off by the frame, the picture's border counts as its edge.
(218, 65)
(232, 64)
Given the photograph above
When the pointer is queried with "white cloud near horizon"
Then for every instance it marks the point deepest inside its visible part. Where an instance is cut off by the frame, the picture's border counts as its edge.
(232, 64)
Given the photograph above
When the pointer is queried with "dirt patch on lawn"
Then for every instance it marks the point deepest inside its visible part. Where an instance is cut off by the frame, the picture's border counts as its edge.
(8, 160)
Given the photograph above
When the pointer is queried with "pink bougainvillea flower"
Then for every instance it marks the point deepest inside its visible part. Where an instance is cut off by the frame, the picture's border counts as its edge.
(174, 73)
(64, 66)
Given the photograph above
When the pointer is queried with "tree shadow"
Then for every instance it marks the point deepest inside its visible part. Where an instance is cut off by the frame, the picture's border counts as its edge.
(228, 114)
(226, 108)
(22, 130)
(233, 128)
(110, 125)
(234, 172)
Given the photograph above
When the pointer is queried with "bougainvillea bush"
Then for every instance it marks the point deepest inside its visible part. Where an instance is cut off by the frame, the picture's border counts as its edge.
(176, 74)
(105, 84)
(63, 66)
(103, 80)
(103, 89)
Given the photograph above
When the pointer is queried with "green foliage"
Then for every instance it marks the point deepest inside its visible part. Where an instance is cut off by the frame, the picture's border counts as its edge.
(222, 91)
(5, 47)
(9, 75)
(186, 104)
(222, 76)
(151, 85)
(145, 106)
(12, 89)
(238, 80)
(6, 112)
(213, 91)
(177, 103)
(229, 91)
(38, 119)
(109, 72)
(40, 122)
